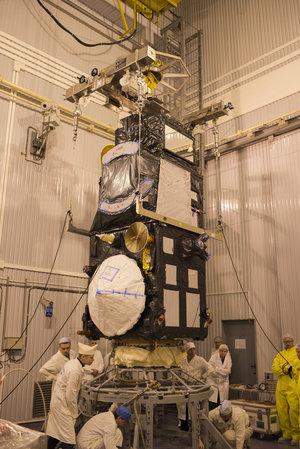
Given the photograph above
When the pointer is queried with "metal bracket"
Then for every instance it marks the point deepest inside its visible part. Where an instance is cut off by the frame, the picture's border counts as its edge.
(75, 230)
(171, 221)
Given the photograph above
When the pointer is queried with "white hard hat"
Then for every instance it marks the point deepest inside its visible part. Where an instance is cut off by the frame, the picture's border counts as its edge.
(86, 350)
(189, 345)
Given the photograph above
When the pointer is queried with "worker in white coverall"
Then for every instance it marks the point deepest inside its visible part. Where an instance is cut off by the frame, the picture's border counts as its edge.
(96, 368)
(217, 343)
(51, 369)
(64, 400)
(287, 401)
(197, 369)
(219, 379)
(233, 423)
(102, 431)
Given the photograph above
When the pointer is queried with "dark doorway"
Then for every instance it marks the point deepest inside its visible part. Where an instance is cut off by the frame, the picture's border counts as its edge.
(239, 335)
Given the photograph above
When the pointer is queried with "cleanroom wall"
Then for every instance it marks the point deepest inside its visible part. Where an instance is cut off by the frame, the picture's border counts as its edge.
(250, 57)
(250, 50)
(245, 67)
(35, 198)
(260, 209)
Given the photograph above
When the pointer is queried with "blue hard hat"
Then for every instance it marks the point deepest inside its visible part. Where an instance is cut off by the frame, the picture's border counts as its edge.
(123, 412)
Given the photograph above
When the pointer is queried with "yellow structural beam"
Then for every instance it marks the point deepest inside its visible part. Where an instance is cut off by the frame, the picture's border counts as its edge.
(128, 30)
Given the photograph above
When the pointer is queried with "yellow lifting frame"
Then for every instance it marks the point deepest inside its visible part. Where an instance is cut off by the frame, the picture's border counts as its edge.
(133, 28)
(146, 8)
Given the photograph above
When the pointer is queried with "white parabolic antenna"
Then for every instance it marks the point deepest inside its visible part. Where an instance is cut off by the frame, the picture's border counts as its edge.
(116, 296)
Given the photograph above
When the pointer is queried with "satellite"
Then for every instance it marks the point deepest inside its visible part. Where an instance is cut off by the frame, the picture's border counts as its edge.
(147, 245)
(147, 275)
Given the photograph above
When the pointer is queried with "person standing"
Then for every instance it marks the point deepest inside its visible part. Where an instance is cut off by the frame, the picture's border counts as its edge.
(96, 368)
(233, 423)
(217, 342)
(102, 431)
(297, 367)
(219, 379)
(287, 401)
(194, 368)
(51, 369)
(64, 401)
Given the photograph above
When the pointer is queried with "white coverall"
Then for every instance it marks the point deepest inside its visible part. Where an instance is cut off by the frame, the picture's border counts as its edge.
(51, 369)
(198, 368)
(100, 432)
(219, 379)
(63, 405)
(97, 364)
(236, 430)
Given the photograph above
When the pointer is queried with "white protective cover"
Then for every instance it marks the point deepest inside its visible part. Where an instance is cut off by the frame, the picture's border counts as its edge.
(174, 193)
(116, 295)
(13, 436)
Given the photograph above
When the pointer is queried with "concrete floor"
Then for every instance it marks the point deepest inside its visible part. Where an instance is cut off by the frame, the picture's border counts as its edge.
(176, 441)
(169, 436)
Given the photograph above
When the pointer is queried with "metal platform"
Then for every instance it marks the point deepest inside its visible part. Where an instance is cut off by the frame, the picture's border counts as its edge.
(146, 391)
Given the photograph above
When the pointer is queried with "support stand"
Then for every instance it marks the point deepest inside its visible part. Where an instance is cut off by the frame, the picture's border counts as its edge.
(124, 388)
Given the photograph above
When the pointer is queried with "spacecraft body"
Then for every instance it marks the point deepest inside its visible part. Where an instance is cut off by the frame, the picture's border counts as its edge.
(147, 277)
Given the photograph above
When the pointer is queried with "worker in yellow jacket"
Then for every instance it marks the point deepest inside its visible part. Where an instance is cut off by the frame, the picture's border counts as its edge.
(287, 400)
(297, 366)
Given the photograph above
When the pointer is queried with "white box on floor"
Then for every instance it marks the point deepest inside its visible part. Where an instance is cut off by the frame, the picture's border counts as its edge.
(263, 416)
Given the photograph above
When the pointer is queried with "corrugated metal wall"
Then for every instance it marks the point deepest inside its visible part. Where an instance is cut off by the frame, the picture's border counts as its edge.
(245, 41)
(239, 36)
(260, 209)
(35, 198)
(260, 205)
(250, 56)
(19, 302)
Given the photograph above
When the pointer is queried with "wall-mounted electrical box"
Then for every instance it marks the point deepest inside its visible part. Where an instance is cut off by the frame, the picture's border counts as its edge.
(12, 343)
(49, 311)
(49, 307)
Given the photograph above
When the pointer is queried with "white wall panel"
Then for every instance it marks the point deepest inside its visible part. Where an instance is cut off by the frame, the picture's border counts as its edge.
(6, 65)
(258, 116)
(238, 35)
(260, 205)
(285, 163)
(260, 208)
(44, 34)
(3, 120)
(250, 56)
(41, 330)
(37, 197)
